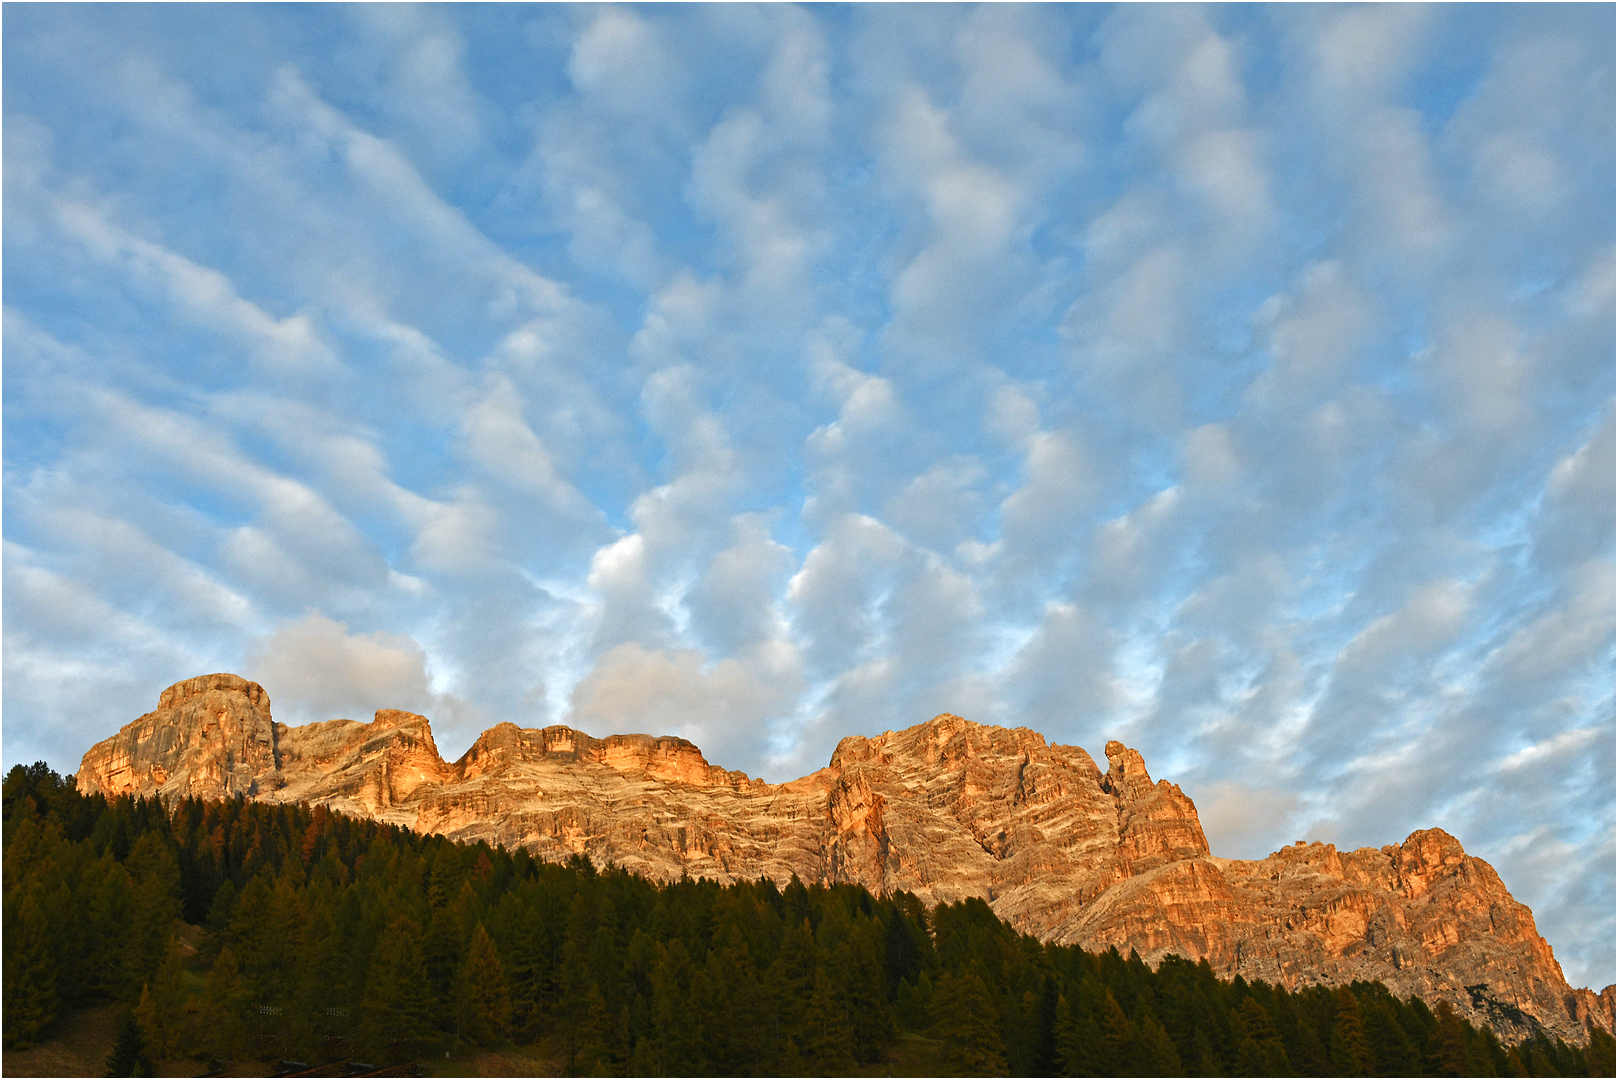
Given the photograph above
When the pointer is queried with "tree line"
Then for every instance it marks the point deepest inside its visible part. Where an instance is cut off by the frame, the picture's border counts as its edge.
(325, 937)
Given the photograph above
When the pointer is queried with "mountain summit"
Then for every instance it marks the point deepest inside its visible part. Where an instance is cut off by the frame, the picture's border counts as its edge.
(947, 810)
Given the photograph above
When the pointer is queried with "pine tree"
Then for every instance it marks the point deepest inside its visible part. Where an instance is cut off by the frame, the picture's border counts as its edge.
(593, 1035)
(31, 1002)
(159, 1005)
(677, 1028)
(969, 1025)
(1155, 1053)
(1449, 1044)
(128, 1057)
(1349, 1055)
(221, 1022)
(1207, 1058)
(484, 997)
(397, 1010)
(1117, 1037)
(828, 1038)
(1259, 1050)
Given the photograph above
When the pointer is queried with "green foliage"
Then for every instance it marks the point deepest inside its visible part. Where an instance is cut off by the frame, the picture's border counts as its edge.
(398, 1008)
(30, 973)
(327, 938)
(968, 1024)
(129, 1057)
(483, 995)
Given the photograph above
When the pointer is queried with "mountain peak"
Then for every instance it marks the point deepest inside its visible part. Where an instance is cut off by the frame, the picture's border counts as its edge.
(947, 809)
(186, 689)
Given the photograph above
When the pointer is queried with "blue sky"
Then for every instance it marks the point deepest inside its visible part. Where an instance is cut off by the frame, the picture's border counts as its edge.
(1237, 382)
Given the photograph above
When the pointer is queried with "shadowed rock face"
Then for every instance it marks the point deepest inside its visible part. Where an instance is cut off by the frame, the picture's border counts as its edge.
(947, 810)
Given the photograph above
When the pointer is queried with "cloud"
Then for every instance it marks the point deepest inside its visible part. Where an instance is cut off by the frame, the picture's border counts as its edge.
(317, 670)
(621, 60)
(1243, 822)
(735, 604)
(723, 707)
(1065, 678)
(1236, 381)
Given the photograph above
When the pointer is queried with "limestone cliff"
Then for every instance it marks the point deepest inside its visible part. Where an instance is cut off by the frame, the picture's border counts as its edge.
(947, 810)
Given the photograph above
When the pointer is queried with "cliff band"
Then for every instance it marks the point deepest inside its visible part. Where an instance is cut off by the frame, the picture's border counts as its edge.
(947, 810)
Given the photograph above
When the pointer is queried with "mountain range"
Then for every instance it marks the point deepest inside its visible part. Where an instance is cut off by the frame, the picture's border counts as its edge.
(946, 810)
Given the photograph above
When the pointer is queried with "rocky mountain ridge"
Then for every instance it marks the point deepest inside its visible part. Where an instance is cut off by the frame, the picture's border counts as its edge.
(947, 810)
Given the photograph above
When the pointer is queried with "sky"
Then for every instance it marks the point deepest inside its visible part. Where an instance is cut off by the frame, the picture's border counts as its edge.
(1234, 382)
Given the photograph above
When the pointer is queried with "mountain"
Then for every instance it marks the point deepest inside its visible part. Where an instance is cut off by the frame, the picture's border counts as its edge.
(946, 810)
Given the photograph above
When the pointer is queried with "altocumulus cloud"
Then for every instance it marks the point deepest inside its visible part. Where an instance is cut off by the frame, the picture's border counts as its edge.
(1235, 382)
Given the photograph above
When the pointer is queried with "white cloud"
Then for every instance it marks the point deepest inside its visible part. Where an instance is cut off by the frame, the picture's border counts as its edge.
(722, 707)
(415, 61)
(735, 604)
(622, 61)
(315, 669)
(1243, 822)
(1235, 380)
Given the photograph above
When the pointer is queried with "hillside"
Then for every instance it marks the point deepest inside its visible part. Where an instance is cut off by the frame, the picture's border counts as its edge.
(245, 934)
(946, 811)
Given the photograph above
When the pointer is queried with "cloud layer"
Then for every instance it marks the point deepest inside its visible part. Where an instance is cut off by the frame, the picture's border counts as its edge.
(1234, 382)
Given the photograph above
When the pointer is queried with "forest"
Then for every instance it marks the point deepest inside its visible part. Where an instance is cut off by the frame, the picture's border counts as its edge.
(324, 938)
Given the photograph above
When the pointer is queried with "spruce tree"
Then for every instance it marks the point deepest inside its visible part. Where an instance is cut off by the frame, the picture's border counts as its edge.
(1078, 1038)
(593, 1036)
(524, 958)
(160, 1004)
(828, 1037)
(484, 997)
(1117, 1037)
(913, 1008)
(1449, 1044)
(677, 1028)
(789, 983)
(155, 903)
(859, 974)
(31, 1002)
(128, 1057)
(1349, 1055)
(1602, 1052)
(968, 1024)
(1207, 1058)
(1259, 1050)
(222, 1021)
(1392, 1049)
(397, 1010)
(729, 996)
(1155, 1053)
(1069, 1051)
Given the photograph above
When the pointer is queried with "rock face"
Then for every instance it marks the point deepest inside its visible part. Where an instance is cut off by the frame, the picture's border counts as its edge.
(947, 810)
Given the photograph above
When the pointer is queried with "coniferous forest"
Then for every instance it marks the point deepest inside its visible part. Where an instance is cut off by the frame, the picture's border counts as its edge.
(327, 938)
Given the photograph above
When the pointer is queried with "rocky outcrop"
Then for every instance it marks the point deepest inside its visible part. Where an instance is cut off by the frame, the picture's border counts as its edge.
(947, 810)
(211, 737)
